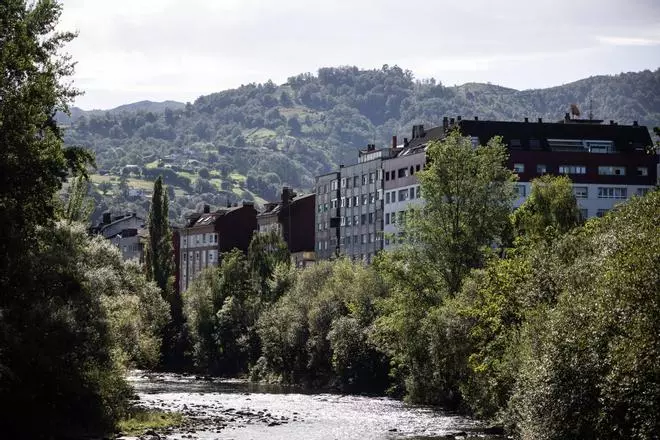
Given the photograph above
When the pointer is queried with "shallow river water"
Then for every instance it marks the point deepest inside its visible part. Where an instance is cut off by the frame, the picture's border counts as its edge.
(230, 409)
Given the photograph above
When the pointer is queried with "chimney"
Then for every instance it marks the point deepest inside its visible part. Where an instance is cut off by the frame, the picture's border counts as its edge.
(540, 120)
(611, 122)
(394, 143)
(107, 218)
(286, 196)
(458, 118)
(476, 118)
(207, 209)
(445, 122)
(420, 131)
(635, 124)
(567, 117)
(405, 142)
(414, 132)
(526, 119)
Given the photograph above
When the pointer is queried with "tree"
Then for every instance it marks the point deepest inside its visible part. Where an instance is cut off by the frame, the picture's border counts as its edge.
(550, 210)
(468, 193)
(78, 206)
(160, 268)
(55, 349)
(265, 252)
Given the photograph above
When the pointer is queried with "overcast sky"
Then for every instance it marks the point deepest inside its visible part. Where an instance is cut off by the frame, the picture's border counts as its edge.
(131, 50)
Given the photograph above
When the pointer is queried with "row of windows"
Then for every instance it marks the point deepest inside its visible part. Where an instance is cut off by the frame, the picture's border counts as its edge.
(196, 256)
(582, 169)
(198, 240)
(356, 220)
(412, 193)
(371, 237)
(395, 218)
(402, 172)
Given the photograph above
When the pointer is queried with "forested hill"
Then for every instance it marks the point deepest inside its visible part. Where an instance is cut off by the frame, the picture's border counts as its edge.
(257, 137)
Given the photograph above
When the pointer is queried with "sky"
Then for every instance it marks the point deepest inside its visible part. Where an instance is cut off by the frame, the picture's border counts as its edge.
(133, 50)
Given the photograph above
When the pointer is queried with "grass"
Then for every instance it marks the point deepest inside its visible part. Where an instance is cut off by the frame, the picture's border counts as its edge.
(141, 420)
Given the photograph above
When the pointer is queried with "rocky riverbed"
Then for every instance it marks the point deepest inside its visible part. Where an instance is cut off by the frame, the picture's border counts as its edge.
(231, 409)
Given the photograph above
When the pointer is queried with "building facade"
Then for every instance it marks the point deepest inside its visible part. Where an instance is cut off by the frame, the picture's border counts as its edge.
(608, 163)
(124, 231)
(293, 219)
(327, 216)
(206, 235)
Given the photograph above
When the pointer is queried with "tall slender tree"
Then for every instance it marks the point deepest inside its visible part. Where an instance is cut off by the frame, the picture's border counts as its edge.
(160, 257)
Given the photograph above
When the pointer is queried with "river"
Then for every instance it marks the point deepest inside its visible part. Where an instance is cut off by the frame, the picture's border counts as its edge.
(233, 409)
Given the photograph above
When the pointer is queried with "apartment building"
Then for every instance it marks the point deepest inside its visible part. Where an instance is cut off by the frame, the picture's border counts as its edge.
(206, 235)
(293, 219)
(607, 162)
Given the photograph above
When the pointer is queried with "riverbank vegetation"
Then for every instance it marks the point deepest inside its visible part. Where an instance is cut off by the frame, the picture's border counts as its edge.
(533, 319)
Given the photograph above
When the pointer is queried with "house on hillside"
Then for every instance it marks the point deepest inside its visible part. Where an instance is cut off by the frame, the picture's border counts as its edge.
(127, 232)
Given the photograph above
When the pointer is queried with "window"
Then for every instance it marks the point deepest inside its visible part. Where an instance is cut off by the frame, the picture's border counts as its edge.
(364, 238)
(364, 179)
(418, 167)
(534, 144)
(387, 218)
(584, 213)
(643, 191)
(365, 199)
(356, 220)
(371, 237)
(393, 218)
(393, 174)
(371, 218)
(356, 181)
(601, 213)
(521, 190)
(642, 171)
(320, 207)
(387, 197)
(363, 219)
(342, 221)
(333, 185)
(611, 171)
(325, 245)
(412, 192)
(515, 144)
(572, 169)
(343, 182)
(387, 175)
(403, 195)
(600, 146)
(356, 201)
(541, 169)
(355, 239)
(372, 197)
(343, 202)
(348, 182)
(379, 175)
(519, 167)
(608, 192)
(333, 203)
(581, 192)
(325, 188)
(419, 191)
(372, 177)
(349, 202)
(348, 220)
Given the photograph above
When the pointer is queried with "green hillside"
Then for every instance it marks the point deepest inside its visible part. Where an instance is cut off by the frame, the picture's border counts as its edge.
(246, 143)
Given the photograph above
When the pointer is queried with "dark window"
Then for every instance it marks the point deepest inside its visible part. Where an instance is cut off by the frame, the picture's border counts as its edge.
(418, 167)
(515, 144)
(363, 219)
(371, 217)
(534, 144)
(387, 175)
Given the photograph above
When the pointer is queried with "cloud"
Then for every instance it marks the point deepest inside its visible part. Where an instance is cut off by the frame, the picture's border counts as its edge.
(628, 41)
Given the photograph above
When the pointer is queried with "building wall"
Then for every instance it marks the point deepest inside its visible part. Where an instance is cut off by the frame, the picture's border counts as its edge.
(327, 213)
(297, 220)
(362, 225)
(198, 249)
(236, 227)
